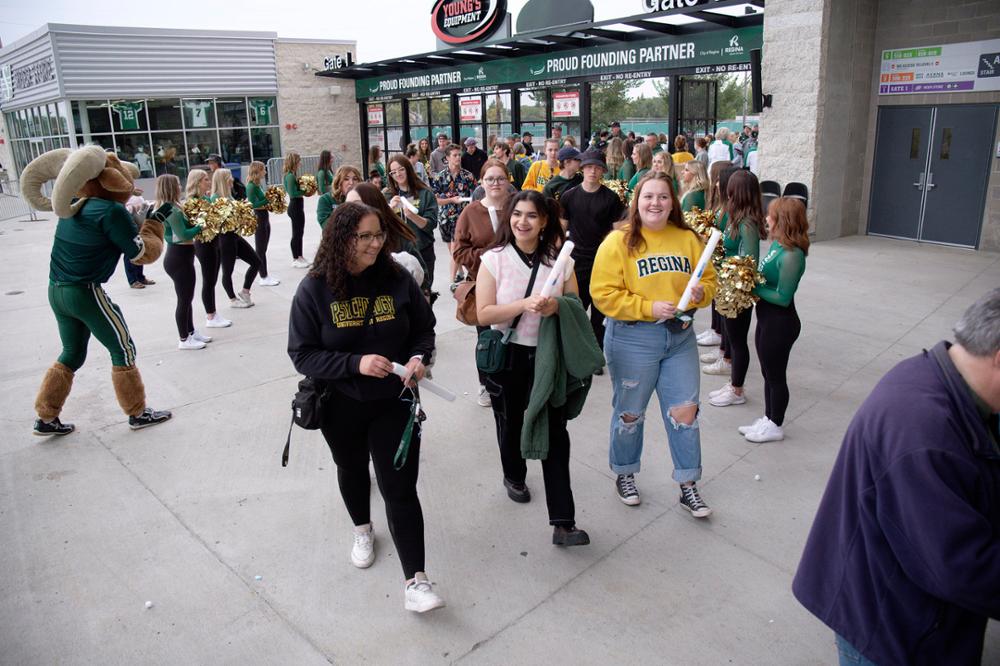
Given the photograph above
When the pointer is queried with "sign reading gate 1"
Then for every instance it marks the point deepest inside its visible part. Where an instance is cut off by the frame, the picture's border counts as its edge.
(463, 21)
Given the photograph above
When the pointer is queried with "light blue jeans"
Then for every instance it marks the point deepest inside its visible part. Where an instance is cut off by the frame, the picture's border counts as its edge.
(643, 357)
(849, 655)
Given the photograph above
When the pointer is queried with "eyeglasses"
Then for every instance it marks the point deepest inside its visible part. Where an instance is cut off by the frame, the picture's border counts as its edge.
(367, 237)
(494, 181)
(397, 172)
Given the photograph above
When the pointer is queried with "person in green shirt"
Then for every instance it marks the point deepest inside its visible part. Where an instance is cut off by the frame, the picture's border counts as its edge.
(515, 170)
(662, 163)
(694, 183)
(347, 179)
(375, 161)
(642, 158)
(296, 208)
(93, 231)
(742, 235)
(233, 246)
(324, 172)
(569, 173)
(627, 169)
(778, 324)
(404, 184)
(262, 236)
(717, 361)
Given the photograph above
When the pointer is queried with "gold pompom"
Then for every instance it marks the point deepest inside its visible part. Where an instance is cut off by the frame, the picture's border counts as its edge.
(737, 278)
(308, 185)
(619, 187)
(228, 215)
(196, 210)
(276, 202)
(703, 224)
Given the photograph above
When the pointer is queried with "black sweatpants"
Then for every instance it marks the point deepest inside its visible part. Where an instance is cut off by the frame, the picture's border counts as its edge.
(208, 258)
(777, 330)
(510, 389)
(261, 238)
(356, 430)
(231, 247)
(427, 254)
(596, 316)
(297, 215)
(179, 264)
(736, 343)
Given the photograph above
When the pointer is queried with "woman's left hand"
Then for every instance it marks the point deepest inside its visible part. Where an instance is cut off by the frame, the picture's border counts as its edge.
(414, 372)
(697, 293)
(549, 307)
(394, 203)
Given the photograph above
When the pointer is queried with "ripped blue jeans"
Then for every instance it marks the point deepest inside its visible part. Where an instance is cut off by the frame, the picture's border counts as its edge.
(643, 356)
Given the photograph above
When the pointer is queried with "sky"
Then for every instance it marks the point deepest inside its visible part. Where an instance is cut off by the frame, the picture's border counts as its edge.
(383, 29)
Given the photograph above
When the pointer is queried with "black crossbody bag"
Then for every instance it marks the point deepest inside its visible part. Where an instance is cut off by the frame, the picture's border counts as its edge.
(491, 347)
(307, 405)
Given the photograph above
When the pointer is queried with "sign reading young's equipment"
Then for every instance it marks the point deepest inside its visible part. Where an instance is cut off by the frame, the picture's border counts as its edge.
(963, 67)
(27, 76)
(464, 21)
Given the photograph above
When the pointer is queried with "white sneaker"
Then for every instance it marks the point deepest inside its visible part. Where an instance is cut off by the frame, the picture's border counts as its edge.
(711, 357)
(709, 338)
(201, 338)
(300, 263)
(767, 432)
(239, 303)
(218, 321)
(245, 297)
(727, 397)
(725, 387)
(720, 367)
(484, 399)
(190, 343)
(268, 281)
(744, 430)
(363, 551)
(420, 596)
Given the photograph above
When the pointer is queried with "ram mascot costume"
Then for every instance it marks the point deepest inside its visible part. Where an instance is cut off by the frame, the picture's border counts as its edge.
(94, 229)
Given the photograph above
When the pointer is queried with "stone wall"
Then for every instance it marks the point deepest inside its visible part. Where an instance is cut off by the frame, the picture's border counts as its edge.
(930, 22)
(320, 120)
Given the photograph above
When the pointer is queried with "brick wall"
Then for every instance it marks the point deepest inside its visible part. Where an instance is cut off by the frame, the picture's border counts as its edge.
(323, 121)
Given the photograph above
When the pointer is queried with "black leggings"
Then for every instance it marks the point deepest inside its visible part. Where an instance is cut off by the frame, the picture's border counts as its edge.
(719, 326)
(208, 257)
(510, 389)
(298, 217)
(231, 246)
(736, 344)
(355, 430)
(777, 330)
(261, 238)
(427, 254)
(179, 264)
(596, 316)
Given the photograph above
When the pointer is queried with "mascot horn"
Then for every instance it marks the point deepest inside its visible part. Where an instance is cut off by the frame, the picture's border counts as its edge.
(94, 229)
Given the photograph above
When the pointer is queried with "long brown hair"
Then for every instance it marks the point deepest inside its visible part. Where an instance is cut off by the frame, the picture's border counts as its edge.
(413, 183)
(338, 180)
(789, 224)
(744, 202)
(552, 236)
(292, 161)
(645, 156)
(716, 194)
(493, 162)
(633, 235)
(336, 248)
(396, 230)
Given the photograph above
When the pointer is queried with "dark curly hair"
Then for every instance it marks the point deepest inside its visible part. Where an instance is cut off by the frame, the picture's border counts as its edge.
(336, 249)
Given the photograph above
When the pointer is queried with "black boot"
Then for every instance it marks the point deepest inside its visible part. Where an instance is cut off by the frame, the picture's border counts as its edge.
(569, 536)
(517, 491)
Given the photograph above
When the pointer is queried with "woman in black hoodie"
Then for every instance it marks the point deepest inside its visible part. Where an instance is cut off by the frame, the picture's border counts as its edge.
(354, 314)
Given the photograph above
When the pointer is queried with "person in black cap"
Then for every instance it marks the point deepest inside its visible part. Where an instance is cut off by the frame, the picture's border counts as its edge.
(239, 189)
(526, 140)
(569, 173)
(589, 213)
(473, 159)
(616, 131)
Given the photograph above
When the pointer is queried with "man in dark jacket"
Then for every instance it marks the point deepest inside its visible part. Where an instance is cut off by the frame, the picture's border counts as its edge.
(903, 560)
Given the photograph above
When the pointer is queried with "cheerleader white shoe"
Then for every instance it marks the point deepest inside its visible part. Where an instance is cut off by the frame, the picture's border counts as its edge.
(768, 431)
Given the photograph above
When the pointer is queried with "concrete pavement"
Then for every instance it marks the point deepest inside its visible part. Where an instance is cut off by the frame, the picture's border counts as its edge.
(188, 515)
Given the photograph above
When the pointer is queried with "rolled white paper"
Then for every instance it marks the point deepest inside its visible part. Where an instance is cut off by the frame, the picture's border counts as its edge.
(699, 270)
(493, 218)
(464, 199)
(425, 383)
(558, 269)
(408, 205)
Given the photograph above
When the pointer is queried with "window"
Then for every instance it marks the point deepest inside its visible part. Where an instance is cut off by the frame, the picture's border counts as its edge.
(266, 143)
(164, 114)
(263, 111)
(200, 145)
(92, 117)
(235, 144)
(168, 154)
(129, 115)
(198, 113)
(232, 112)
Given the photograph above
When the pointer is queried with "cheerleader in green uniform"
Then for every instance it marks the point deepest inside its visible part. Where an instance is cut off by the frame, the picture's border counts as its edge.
(694, 183)
(324, 172)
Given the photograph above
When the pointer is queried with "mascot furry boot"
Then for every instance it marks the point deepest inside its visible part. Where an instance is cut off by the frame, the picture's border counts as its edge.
(94, 229)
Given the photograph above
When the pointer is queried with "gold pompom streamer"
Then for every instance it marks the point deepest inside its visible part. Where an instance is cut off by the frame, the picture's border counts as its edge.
(197, 211)
(276, 201)
(737, 278)
(703, 223)
(308, 185)
(228, 215)
(619, 187)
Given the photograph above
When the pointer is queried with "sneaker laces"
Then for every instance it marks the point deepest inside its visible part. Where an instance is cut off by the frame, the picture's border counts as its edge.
(363, 538)
(692, 498)
(420, 586)
(626, 483)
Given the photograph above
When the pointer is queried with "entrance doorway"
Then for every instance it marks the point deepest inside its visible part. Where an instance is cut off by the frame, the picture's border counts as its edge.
(931, 169)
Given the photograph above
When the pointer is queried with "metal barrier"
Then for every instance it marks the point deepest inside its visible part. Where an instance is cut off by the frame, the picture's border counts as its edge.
(11, 203)
(307, 165)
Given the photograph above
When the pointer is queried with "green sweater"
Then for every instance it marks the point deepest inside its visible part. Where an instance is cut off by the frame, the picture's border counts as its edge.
(292, 186)
(746, 242)
(324, 208)
(87, 246)
(692, 199)
(176, 227)
(639, 175)
(255, 195)
(558, 185)
(782, 269)
(627, 170)
(566, 358)
(324, 179)
(427, 208)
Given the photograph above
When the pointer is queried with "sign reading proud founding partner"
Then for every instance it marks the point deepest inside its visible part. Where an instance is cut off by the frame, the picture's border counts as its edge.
(464, 21)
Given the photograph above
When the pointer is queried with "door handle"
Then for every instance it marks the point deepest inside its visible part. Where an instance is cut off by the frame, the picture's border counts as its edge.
(930, 181)
(920, 182)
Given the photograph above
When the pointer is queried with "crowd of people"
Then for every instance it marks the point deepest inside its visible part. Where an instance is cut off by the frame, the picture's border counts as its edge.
(364, 309)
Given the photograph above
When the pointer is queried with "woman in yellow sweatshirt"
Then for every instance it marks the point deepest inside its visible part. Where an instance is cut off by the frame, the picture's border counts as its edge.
(639, 277)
